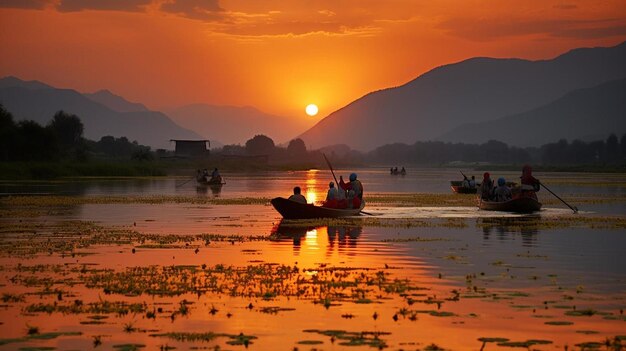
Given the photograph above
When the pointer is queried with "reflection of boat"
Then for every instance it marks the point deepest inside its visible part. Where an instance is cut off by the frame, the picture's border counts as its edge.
(457, 187)
(522, 204)
(211, 182)
(295, 210)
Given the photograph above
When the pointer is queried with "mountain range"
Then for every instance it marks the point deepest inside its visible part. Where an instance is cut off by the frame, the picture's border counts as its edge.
(476, 90)
(37, 101)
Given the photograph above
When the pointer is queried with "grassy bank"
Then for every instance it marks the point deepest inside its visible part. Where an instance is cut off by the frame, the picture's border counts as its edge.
(51, 170)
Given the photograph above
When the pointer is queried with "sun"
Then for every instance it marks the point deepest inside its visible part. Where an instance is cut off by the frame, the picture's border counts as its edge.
(311, 109)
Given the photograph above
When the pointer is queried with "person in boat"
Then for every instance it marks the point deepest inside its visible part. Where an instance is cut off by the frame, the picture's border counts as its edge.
(391, 170)
(332, 196)
(472, 183)
(486, 187)
(199, 177)
(205, 175)
(465, 183)
(530, 185)
(354, 189)
(297, 196)
(403, 171)
(395, 170)
(502, 192)
(215, 177)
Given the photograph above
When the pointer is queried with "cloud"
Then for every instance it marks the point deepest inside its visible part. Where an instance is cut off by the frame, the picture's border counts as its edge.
(103, 5)
(207, 10)
(25, 4)
(495, 28)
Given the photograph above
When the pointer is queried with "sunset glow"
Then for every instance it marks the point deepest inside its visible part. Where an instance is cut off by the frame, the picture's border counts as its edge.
(311, 110)
(169, 54)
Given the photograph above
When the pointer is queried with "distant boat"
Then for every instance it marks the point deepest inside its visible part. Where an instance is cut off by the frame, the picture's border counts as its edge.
(457, 187)
(522, 204)
(295, 210)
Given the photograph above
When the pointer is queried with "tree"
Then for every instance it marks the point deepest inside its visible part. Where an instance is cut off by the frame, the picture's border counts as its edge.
(7, 133)
(35, 142)
(68, 129)
(296, 148)
(612, 148)
(260, 145)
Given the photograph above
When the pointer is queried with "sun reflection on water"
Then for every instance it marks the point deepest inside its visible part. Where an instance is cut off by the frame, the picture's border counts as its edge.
(311, 184)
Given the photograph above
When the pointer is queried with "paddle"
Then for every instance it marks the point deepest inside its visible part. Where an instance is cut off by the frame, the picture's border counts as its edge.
(331, 168)
(187, 181)
(574, 208)
(464, 177)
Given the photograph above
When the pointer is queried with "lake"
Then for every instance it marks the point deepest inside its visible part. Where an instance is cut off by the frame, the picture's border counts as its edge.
(158, 263)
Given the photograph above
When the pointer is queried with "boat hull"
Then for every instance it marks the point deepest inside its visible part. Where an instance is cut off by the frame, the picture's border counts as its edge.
(457, 187)
(295, 210)
(517, 205)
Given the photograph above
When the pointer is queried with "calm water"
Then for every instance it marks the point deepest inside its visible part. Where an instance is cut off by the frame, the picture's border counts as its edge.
(512, 281)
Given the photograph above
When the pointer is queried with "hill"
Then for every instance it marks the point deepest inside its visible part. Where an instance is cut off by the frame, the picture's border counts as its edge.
(115, 102)
(471, 91)
(587, 114)
(39, 102)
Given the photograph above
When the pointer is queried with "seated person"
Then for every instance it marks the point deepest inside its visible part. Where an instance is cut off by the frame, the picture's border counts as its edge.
(486, 187)
(297, 196)
(472, 182)
(502, 192)
(332, 196)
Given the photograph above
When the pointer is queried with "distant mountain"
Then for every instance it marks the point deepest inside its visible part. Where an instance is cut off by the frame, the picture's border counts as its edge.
(25, 101)
(115, 102)
(236, 125)
(475, 90)
(587, 114)
(10, 81)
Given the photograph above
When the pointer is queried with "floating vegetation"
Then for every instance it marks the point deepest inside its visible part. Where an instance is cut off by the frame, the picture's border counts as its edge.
(527, 343)
(59, 200)
(38, 336)
(128, 347)
(234, 339)
(364, 338)
(559, 323)
(104, 307)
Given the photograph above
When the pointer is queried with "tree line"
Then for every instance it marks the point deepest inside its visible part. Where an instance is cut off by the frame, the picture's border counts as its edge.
(61, 139)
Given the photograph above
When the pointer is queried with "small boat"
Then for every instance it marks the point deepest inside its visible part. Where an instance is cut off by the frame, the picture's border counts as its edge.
(295, 210)
(522, 204)
(457, 187)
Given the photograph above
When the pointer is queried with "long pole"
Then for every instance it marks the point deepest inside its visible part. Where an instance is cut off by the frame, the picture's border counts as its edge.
(573, 208)
(331, 168)
(187, 181)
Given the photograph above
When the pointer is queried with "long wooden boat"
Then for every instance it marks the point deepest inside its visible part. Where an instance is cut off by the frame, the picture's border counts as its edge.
(457, 187)
(295, 210)
(522, 204)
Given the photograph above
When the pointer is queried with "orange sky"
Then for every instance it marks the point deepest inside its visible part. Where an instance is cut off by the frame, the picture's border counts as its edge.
(280, 55)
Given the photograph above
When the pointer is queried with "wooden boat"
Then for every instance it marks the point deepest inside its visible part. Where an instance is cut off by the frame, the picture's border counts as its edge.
(457, 187)
(295, 210)
(522, 204)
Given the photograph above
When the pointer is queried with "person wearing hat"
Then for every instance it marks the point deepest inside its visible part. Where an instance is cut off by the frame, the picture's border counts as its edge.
(486, 187)
(354, 189)
(502, 192)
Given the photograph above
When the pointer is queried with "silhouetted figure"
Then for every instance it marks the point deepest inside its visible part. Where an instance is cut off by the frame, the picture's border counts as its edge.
(297, 196)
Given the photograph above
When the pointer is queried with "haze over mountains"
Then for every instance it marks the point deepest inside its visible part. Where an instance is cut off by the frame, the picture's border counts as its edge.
(473, 91)
(39, 102)
(235, 125)
(104, 113)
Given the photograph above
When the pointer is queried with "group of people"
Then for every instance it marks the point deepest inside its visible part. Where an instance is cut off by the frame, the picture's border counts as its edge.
(347, 195)
(502, 192)
(394, 171)
(203, 176)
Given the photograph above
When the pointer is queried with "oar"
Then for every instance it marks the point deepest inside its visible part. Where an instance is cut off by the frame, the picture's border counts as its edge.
(574, 208)
(464, 177)
(187, 181)
(331, 169)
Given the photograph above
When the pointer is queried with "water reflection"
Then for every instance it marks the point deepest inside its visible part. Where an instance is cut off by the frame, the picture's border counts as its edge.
(311, 185)
(324, 240)
(203, 189)
(503, 227)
